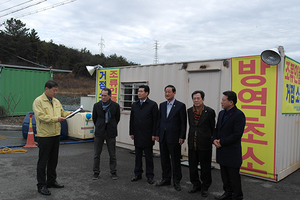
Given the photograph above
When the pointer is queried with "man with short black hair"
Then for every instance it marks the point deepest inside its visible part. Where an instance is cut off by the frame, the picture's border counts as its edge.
(171, 134)
(106, 116)
(142, 129)
(48, 114)
(227, 138)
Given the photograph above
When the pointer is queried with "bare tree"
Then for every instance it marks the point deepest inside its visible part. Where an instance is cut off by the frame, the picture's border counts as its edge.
(11, 103)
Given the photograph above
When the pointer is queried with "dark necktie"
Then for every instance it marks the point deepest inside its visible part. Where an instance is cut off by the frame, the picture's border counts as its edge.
(224, 116)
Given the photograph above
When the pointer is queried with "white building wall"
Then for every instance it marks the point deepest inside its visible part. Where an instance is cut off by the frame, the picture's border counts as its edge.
(157, 77)
(213, 80)
(287, 135)
(210, 80)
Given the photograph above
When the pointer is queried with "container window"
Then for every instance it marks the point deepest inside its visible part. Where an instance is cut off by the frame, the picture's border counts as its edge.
(129, 94)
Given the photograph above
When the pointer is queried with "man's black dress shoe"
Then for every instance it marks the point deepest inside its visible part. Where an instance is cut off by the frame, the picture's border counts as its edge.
(204, 193)
(224, 197)
(150, 181)
(195, 189)
(44, 190)
(136, 178)
(163, 183)
(55, 185)
(177, 187)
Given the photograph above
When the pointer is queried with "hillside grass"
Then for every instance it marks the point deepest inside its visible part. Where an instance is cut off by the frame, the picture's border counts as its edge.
(72, 86)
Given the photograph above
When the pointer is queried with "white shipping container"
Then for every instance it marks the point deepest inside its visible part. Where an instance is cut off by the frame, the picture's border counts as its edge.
(213, 77)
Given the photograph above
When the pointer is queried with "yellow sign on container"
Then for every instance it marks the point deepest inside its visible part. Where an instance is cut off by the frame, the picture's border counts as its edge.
(291, 84)
(255, 84)
(108, 78)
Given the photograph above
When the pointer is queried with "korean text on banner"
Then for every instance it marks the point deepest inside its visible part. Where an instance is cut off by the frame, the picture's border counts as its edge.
(256, 86)
(108, 78)
(291, 84)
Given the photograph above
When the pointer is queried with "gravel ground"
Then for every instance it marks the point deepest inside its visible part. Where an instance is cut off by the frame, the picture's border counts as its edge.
(17, 120)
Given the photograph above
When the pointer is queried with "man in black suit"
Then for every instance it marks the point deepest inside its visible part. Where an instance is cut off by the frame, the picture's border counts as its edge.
(227, 138)
(201, 120)
(106, 116)
(143, 123)
(171, 135)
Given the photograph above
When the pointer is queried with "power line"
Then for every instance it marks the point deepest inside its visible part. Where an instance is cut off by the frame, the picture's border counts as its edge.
(140, 53)
(24, 8)
(4, 2)
(24, 59)
(16, 5)
(46, 8)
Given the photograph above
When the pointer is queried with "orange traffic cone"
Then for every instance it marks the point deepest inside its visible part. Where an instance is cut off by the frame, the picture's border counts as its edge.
(30, 138)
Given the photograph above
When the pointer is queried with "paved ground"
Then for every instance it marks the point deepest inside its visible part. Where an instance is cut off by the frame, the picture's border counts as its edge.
(18, 178)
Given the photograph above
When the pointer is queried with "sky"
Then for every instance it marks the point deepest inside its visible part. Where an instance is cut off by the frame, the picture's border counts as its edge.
(183, 30)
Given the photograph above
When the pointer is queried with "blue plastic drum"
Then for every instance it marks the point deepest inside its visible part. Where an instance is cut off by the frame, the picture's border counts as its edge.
(25, 127)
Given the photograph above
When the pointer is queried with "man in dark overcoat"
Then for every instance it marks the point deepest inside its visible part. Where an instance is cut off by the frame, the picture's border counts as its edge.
(227, 138)
(143, 122)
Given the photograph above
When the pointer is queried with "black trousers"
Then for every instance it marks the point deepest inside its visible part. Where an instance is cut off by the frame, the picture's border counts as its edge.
(170, 154)
(48, 159)
(138, 169)
(232, 181)
(111, 147)
(204, 158)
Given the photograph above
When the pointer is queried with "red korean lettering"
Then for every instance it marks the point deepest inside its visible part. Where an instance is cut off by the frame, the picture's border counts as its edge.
(251, 169)
(260, 81)
(113, 82)
(255, 95)
(263, 67)
(296, 74)
(252, 127)
(251, 139)
(250, 154)
(292, 68)
(263, 109)
(247, 68)
(114, 98)
(113, 74)
(287, 70)
(114, 90)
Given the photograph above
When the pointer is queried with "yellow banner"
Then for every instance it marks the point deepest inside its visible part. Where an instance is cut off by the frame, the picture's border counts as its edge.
(108, 78)
(255, 83)
(291, 83)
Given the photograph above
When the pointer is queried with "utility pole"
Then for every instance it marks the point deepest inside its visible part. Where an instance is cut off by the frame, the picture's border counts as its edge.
(102, 45)
(155, 61)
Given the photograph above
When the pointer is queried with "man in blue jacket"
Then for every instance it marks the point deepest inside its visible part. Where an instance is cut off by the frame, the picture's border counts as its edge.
(227, 138)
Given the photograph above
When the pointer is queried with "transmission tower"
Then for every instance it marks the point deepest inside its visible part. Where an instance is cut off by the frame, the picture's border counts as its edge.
(155, 61)
(102, 45)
